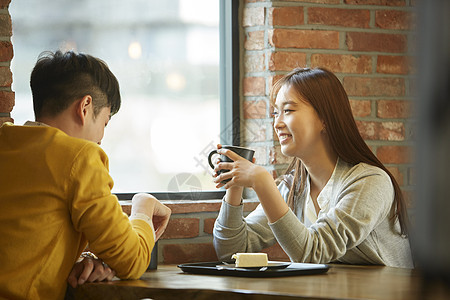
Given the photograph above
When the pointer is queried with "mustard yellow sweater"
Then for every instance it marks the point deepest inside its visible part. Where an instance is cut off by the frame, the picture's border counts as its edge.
(55, 197)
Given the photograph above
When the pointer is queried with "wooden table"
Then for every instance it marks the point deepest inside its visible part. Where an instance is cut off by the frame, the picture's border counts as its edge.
(340, 282)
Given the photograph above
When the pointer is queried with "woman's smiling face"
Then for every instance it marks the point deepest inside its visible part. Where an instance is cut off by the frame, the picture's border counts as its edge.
(296, 124)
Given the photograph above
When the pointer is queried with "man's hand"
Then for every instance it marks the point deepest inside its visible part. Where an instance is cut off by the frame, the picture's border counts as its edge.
(150, 206)
(90, 270)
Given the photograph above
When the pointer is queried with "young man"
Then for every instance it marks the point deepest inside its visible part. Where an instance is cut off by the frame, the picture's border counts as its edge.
(55, 188)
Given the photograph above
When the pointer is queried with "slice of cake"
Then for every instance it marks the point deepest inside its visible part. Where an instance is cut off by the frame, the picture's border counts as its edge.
(246, 260)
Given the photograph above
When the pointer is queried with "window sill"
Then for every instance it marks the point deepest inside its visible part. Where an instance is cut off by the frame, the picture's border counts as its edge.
(185, 196)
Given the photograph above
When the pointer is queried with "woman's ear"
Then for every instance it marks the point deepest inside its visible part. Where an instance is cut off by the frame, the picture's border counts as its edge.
(324, 128)
(84, 108)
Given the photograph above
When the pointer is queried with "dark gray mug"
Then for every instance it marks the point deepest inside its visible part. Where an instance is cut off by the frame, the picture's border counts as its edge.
(154, 258)
(241, 151)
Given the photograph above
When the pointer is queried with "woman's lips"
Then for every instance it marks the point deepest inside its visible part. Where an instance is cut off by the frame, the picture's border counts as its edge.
(284, 138)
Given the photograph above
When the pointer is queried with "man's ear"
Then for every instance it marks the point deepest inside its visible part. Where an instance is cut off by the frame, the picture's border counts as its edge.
(84, 108)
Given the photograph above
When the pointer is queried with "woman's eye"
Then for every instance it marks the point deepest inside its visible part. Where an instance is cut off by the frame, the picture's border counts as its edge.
(275, 114)
(287, 111)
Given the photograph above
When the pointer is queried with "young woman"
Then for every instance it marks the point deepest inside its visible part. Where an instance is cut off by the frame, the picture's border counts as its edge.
(336, 203)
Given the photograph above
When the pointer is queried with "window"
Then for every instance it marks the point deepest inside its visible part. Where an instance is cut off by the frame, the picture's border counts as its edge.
(174, 63)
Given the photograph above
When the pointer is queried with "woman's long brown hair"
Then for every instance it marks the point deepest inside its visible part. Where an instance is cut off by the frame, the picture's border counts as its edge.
(323, 90)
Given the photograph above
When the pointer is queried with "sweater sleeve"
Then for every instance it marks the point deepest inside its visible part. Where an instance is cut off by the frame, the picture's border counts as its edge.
(233, 233)
(123, 244)
(361, 203)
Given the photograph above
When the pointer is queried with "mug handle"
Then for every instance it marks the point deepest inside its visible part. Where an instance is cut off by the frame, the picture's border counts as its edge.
(210, 156)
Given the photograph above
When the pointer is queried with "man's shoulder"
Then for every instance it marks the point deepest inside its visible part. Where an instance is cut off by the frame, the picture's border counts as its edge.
(51, 145)
(47, 137)
(74, 145)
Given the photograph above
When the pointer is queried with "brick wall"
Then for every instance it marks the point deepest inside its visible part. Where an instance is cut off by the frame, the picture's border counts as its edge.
(188, 237)
(6, 54)
(365, 42)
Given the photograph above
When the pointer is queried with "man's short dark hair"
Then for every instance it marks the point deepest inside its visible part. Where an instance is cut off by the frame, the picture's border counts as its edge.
(58, 79)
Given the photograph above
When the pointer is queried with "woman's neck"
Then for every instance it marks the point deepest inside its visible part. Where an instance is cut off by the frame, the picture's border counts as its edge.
(320, 167)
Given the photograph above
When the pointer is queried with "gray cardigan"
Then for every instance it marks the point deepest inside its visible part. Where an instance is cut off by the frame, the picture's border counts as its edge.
(356, 227)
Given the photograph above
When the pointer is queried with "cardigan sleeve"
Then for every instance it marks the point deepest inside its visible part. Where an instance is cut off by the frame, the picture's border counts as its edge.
(123, 244)
(233, 233)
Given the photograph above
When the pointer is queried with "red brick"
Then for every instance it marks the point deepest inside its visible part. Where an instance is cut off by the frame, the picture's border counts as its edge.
(361, 108)
(183, 206)
(339, 17)
(376, 42)
(6, 119)
(186, 253)
(377, 2)
(253, 16)
(341, 63)
(278, 158)
(255, 109)
(368, 86)
(394, 154)
(181, 228)
(7, 101)
(318, 1)
(286, 16)
(391, 131)
(254, 62)
(5, 77)
(394, 109)
(208, 225)
(6, 51)
(254, 40)
(304, 39)
(286, 61)
(276, 253)
(4, 3)
(394, 19)
(384, 131)
(254, 86)
(5, 25)
(409, 198)
(273, 79)
(394, 64)
(254, 132)
(368, 130)
(397, 175)
(261, 154)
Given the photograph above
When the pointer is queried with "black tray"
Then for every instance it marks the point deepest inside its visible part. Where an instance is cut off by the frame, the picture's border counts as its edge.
(214, 268)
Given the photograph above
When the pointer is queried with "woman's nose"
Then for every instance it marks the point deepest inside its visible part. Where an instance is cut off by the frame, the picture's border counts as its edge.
(278, 122)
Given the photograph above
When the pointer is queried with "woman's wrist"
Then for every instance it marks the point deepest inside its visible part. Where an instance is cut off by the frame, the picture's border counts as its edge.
(270, 198)
(233, 195)
(261, 178)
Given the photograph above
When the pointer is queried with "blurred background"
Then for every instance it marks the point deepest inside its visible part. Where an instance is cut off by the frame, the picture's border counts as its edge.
(165, 55)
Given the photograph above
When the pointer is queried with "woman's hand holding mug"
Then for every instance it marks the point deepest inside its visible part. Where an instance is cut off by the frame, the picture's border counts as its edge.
(235, 166)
